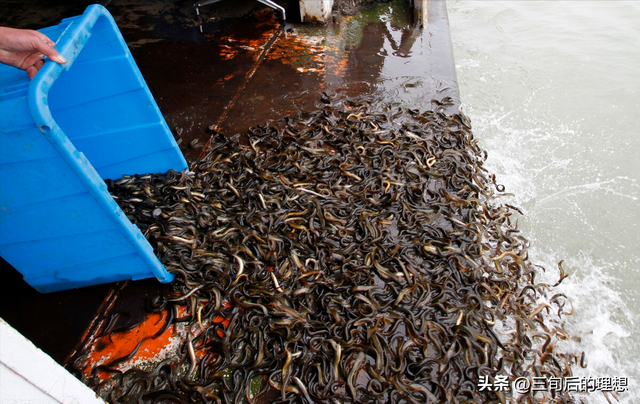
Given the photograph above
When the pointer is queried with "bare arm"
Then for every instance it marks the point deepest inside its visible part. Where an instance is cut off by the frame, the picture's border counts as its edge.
(25, 49)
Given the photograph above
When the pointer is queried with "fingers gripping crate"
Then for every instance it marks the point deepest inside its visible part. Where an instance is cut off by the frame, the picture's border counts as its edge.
(61, 135)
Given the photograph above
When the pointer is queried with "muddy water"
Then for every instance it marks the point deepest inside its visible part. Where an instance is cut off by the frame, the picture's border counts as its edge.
(552, 89)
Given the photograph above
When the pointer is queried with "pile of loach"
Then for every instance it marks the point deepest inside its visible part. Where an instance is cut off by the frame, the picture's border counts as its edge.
(359, 253)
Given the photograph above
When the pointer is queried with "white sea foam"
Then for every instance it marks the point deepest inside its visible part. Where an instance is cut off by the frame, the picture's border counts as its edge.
(602, 324)
(552, 99)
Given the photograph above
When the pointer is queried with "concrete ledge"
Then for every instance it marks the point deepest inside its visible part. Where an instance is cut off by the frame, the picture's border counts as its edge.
(29, 375)
(442, 67)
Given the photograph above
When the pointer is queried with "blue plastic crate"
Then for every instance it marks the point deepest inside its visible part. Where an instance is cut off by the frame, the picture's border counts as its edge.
(61, 135)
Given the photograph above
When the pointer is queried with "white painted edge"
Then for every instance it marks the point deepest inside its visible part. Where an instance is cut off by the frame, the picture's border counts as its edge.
(38, 369)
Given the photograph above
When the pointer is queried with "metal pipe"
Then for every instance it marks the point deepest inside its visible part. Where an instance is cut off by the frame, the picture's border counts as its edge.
(274, 6)
(265, 2)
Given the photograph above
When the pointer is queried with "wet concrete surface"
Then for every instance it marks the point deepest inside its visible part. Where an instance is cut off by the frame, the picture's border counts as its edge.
(238, 67)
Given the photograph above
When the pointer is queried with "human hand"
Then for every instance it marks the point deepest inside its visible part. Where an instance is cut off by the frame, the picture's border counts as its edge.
(25, 49)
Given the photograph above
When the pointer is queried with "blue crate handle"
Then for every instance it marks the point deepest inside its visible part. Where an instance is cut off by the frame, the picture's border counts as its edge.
(69, 45)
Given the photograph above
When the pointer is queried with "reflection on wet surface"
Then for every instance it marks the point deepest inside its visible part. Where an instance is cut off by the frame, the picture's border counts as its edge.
(257, 70)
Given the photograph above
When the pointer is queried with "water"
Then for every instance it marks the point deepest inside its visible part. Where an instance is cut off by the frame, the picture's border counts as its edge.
(553, 90)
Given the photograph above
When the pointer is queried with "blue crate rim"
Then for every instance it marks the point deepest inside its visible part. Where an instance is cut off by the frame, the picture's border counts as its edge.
(69, 45)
